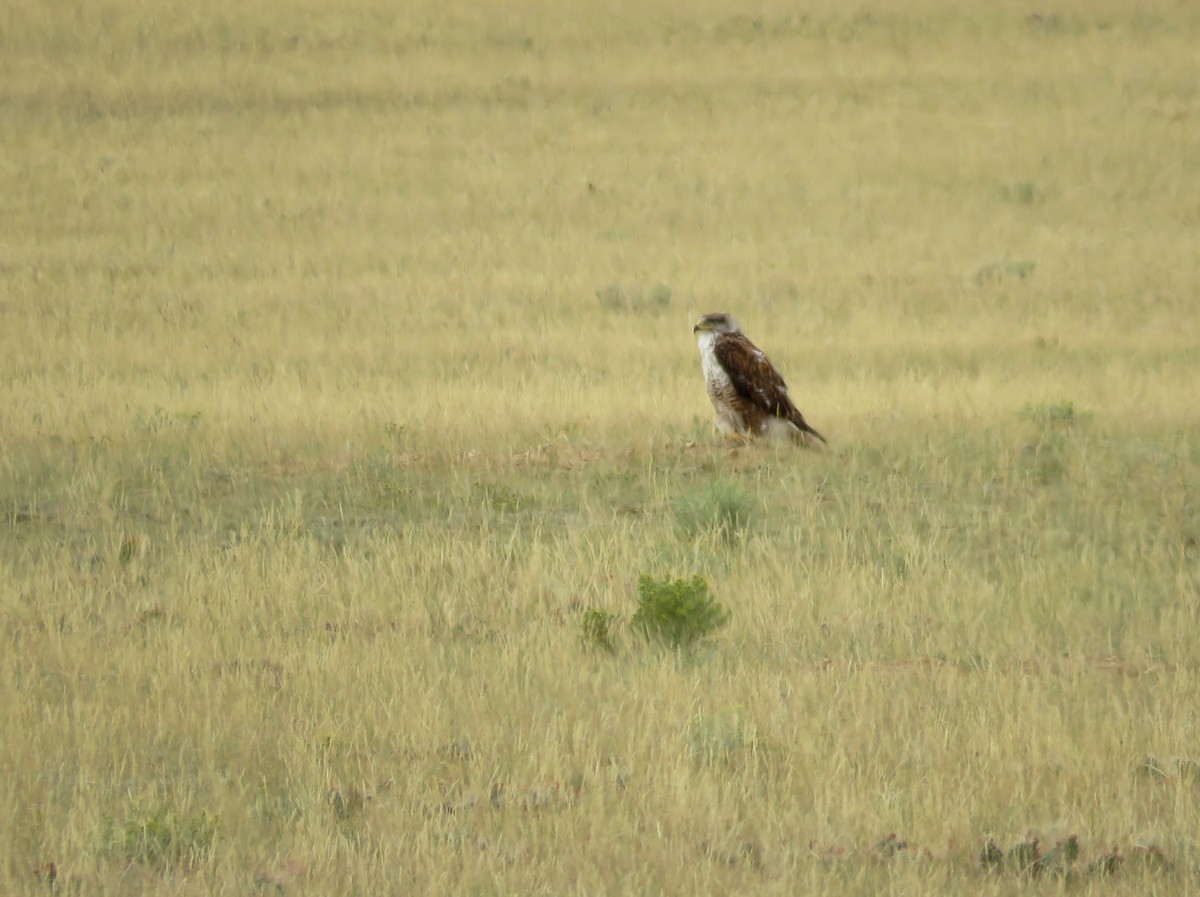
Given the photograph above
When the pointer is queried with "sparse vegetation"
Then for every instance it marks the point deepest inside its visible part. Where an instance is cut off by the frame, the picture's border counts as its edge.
(722, 508)
(1054, 414)
(345, 364)
(720, 738)
(167, 838)
(597, 629)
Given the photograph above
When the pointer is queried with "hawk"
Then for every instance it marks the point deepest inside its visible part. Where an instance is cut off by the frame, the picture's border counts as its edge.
(746, 390)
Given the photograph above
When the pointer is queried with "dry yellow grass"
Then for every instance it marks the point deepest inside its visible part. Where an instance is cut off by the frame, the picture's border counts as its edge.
(336, 387)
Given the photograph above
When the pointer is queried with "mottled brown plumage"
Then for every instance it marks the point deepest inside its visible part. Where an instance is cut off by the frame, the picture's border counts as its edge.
(747, 391)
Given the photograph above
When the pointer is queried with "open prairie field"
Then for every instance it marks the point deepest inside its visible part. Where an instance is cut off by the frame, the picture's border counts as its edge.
(348, 392)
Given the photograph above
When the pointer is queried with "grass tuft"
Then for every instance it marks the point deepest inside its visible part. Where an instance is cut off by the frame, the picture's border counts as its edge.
(1054, 414)
(722, 508)
(167, 838)
(596, 629)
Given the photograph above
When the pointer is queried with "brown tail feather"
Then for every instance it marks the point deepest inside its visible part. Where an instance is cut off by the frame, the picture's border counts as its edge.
(803, 426)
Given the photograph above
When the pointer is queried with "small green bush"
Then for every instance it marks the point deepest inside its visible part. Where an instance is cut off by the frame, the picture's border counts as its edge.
(679, 612)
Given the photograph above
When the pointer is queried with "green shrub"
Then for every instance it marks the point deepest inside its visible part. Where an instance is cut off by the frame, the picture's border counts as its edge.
(679, 612)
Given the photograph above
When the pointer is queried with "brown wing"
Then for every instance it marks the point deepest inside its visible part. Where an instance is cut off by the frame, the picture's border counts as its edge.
(757, 381)
(753, 375)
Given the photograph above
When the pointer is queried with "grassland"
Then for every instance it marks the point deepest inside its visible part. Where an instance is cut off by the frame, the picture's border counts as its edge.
(339, 380)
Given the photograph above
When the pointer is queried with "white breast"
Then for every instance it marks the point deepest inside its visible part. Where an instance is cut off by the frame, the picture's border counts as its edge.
(714, 374)
(719, 385)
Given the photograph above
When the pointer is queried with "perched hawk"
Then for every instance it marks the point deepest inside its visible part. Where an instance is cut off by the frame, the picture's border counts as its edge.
(747, 391)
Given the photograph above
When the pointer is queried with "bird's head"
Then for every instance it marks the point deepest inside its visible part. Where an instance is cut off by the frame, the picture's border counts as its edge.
(717, 322)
